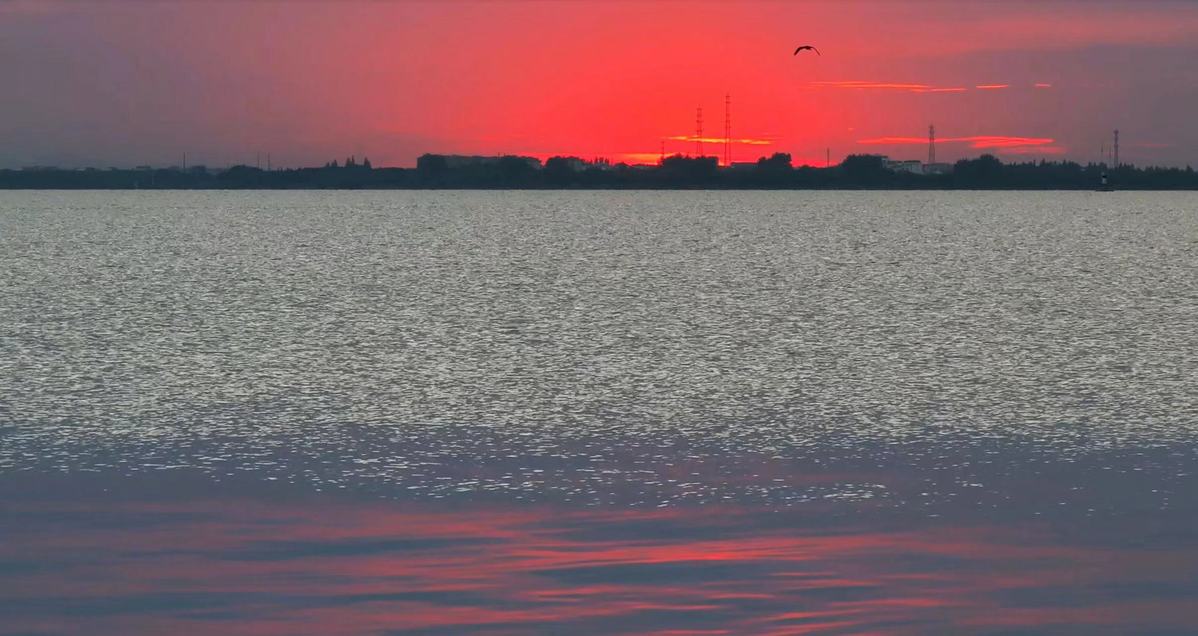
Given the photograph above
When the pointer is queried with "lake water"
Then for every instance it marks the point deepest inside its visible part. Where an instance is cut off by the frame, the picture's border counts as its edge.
(598, 412)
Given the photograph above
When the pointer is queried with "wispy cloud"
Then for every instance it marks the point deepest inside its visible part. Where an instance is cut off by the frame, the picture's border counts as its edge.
(720, 140)
(872, 85)
(914, 87)
(997, 141)
(887, 86)
(979, 141)
(893, 86)
(894, 141)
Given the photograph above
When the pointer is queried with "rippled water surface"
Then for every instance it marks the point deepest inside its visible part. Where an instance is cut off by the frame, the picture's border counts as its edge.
(906, 364)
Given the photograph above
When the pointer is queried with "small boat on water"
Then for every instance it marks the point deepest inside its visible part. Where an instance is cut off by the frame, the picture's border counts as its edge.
(1106, 186)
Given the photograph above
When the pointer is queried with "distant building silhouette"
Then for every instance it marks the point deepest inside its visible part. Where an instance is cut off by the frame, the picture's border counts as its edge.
(464, 161)
(912, 166)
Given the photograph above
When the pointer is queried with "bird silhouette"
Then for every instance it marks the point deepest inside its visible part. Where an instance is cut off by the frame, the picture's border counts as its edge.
(807, 47)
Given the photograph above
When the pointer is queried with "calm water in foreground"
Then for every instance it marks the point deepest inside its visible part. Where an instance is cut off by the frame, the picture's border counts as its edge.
(598, 413)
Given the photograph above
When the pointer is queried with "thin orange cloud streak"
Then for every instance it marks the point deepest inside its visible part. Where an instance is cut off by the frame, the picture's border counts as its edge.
(894, 141)
(979, 141)
(1042, 85)
(720, 140)
(896, 86)
(1005, 142)
(881, 85)
(991, 87)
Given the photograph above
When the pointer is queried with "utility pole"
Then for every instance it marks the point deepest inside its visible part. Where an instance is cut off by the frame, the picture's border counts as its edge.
(727, 129)
(931, 144)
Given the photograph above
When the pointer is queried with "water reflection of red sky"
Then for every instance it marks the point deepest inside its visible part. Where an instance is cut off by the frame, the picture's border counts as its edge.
(253, 568)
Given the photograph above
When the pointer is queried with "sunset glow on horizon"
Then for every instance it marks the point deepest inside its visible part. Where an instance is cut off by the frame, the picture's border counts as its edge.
(100, 84)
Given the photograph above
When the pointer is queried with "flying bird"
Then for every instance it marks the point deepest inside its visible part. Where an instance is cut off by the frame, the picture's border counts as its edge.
(807, 47)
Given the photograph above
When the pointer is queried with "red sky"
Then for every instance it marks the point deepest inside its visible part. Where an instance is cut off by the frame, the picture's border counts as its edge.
(123, 83)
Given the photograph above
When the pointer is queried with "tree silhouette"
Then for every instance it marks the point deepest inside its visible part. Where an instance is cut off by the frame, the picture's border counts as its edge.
(779, 160)
(689, 170)
(775, 166)
(559, 171)
(985, 169)
(865, 169)
(514, 169)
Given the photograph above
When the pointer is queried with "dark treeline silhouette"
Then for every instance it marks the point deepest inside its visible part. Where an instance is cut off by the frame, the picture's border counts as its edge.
(775, 172)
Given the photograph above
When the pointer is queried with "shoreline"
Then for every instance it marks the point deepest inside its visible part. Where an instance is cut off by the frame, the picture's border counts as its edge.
(594, 189)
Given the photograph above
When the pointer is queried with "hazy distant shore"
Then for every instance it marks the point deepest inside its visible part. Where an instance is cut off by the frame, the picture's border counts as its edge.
(857, 172)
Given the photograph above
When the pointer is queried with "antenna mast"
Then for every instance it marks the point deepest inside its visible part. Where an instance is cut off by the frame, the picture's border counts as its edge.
(1116, 151)
(931, 143)
(699, 132)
